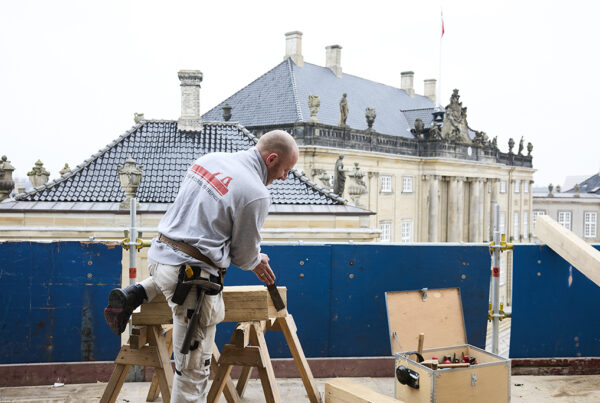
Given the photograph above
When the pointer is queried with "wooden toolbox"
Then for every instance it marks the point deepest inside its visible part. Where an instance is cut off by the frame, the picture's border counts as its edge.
(438, 315)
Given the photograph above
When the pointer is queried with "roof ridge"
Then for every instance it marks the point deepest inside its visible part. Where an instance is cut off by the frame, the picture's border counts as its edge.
(87, 162)
(294, 89)
(416, 109)
(372, 81)
(242, 89)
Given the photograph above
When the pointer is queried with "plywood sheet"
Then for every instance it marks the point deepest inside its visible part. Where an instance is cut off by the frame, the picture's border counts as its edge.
(439, 317)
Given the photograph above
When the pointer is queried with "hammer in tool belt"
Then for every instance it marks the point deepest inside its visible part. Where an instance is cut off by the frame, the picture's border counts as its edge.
(201, 287)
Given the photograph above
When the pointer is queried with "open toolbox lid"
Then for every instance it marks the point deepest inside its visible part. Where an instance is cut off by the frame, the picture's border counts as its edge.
(436, 313)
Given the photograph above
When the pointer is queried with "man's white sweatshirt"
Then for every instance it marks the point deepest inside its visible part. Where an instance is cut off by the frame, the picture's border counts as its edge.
(220, 208)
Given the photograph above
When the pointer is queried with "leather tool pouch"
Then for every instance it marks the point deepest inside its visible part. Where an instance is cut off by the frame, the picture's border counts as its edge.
(183, 288)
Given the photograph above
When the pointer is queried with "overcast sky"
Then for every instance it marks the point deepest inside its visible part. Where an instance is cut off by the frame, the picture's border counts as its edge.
(72, 73)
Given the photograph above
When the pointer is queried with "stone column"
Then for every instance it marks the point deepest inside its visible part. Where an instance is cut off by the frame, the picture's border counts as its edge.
(481, 230)
(474, 207)
(434, 202)
(486, 210)
(452, 226)
(530, 207)
(461, 207)
(494, 199)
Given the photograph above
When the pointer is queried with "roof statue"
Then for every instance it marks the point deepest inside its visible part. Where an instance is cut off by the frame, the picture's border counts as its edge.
(339, 176)
(418, 130)
(370, 115)
(454, 127)
(511, 144)
(343, 111)
(358, 186)
(313, 105)
(520, 152)
(529, 149)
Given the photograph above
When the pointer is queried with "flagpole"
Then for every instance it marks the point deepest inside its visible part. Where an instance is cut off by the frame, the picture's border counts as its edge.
(439, 89)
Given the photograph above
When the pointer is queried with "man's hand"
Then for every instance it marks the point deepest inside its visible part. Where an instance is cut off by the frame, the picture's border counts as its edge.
(263, 270)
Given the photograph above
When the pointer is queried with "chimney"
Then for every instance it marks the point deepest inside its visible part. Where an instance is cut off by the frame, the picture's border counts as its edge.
(333, 59)
(190, 120)
(406, 82)
(293, 47)
(429, 89)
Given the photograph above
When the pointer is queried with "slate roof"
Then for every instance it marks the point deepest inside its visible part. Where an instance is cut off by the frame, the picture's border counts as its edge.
(590, 185)
(281, 96)
(165, 154)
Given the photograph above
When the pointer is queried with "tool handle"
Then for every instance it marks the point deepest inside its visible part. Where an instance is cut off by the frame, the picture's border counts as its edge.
(421, 340)
(192, 323)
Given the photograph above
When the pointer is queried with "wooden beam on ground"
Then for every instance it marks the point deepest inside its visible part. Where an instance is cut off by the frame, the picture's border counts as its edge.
(569, 246)
(344, 390)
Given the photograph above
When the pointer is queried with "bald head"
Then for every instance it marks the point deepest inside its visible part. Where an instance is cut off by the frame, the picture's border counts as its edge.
(279, 151)
(277, 141)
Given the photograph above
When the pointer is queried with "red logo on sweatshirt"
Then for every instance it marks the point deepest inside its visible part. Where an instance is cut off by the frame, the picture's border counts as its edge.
(220, 185)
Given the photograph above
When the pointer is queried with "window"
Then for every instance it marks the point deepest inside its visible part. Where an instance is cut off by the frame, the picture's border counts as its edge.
(515, 233)
(502, 223)
(525, 224)
(564, 219)
(536, 213)
(386, 184)
(517, 186)
(386, 231)
(407, 184)
(406, 231)
(590, 224)
(502, 186)
(525, 187)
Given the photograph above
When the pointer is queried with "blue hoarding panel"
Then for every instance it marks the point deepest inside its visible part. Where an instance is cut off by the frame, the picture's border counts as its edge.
(363, 273)
(305, 271)
(52, 301)
(555, 307)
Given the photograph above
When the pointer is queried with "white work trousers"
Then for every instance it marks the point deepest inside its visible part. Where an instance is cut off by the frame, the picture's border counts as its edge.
(190, 383)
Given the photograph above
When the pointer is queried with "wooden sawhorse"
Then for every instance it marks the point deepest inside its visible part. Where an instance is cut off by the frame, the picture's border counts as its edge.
(253, 309)
(156, 354)
(248, 349)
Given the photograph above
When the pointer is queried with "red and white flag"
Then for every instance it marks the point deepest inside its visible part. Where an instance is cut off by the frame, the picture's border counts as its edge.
(442, 13)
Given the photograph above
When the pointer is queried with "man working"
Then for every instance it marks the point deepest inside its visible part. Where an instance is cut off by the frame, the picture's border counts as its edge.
(220, 208)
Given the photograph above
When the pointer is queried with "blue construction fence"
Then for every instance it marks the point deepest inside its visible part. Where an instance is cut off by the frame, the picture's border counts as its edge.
(53, 296)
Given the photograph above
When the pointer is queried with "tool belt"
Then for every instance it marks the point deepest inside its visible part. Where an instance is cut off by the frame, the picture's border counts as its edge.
(185, 282)
(191, 251)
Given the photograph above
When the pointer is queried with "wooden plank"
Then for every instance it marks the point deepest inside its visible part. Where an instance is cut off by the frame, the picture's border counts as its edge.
(230, 391)
(165, 372)
(265, 372)
(111, 392)
(146, 356)
(219, 383)
(250, 303)
(408, 315)
(343, 390)
(138, 337)
(569, 246)
(241, 335)
(288, 327)
(243, 380)
(233, 355)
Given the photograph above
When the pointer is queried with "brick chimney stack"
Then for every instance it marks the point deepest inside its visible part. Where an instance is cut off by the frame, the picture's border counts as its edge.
(407, 82)
(190, 120)
(293, 47)
(333, 59)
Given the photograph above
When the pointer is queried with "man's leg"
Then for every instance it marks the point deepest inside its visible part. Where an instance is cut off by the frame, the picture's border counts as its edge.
(192, 370)
(123, 301)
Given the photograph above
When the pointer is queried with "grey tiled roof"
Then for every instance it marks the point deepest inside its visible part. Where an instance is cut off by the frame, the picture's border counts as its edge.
(165, 154)
(590, 185)
(281, 96)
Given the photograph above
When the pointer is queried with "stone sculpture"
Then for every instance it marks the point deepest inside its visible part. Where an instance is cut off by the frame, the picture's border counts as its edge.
(358, 186)
(38, 174)
(343, 111)
(313, 105)
(370, 115)
(418, 130)
(529, 149)
(511, 144)
(455, 121)
(520, 152)
(339, 176)
(434, 132)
